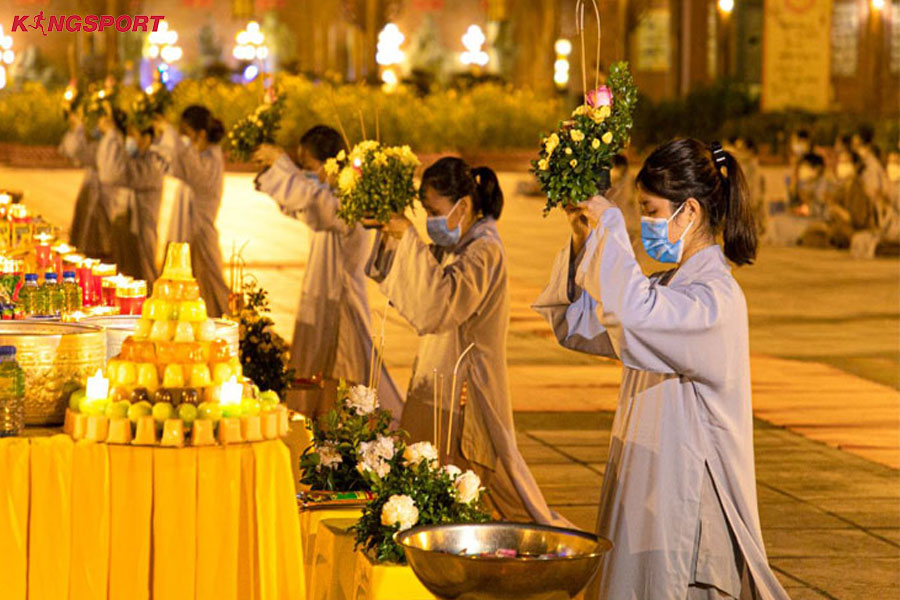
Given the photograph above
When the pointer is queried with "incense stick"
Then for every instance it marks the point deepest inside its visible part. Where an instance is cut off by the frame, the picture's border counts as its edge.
(440, 412)
(453, 394)
(434, 407)
(362, 125)
(337, 114)
(377, 126)
(372, 363)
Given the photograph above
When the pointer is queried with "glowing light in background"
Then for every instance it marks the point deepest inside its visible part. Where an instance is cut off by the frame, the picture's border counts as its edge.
(162, 43)
(726, 6)
(251, 46)
(473, 39)
(878, 5)
(7, 57)
(388, 51)
(563, 49)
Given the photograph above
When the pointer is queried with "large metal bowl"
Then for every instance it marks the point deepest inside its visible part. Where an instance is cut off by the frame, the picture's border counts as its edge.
(441, 557)
(56, 358)
(119, 327)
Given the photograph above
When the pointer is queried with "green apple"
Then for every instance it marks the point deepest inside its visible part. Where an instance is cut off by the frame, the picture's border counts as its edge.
(118, 410)
(76, 398)
(232, 410)
(269, 400)
(209, 411)
(187, 413)
(250, 408)
(138, 410)
(161, 412)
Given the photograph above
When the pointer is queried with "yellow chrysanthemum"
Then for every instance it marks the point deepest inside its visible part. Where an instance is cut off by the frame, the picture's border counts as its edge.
(577, 135)
(595, 144)
(543, 164)
(341, 155)
(347, 180)
(568, 151)
(581, 110)
(573, 163)
(380, 159)
(607, 137)
(552, 143)
(331, 166)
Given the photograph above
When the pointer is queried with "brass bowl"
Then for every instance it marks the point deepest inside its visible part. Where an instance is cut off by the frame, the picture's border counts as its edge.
(119, 327)
(442, 557)
(57, 358)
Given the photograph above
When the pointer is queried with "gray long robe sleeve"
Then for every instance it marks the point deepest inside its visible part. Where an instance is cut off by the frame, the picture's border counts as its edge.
(204, 172)
(454, 297)
(333, 331)
(76, 148)
(684, 407)
(145, 178)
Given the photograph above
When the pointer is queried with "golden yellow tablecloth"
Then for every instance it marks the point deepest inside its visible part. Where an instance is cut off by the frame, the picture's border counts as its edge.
(88, 521)
(309, 526)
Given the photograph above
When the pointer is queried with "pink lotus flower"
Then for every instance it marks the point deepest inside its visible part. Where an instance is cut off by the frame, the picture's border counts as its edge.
(599, 97)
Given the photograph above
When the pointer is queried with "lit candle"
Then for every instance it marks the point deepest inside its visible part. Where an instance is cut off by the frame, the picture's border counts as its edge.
(97, 387)
(230, 399)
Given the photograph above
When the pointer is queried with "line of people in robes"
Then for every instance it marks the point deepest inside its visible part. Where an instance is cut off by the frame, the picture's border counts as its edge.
(679, 497)
(116, 216)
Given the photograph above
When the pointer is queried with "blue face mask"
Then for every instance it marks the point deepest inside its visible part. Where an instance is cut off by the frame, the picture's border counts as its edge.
(655, 237)
(438, 231)
(131, 146)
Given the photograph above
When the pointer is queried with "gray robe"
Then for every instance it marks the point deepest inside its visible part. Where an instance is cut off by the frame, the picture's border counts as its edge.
(204, 172)
(169, 146)
(92, 221)
(454, 297)
(684, 408)
(145, 177)
(333, 332)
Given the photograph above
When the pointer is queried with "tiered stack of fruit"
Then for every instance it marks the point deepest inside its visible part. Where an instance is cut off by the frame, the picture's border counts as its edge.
(173, 366)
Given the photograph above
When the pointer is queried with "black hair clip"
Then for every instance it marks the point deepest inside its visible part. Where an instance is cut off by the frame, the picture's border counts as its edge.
(718, 154)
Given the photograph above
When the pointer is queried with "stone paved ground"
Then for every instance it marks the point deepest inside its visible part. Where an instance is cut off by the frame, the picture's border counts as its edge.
(825, 337)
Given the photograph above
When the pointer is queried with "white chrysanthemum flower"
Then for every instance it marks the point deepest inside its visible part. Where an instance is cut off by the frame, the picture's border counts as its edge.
(467, 487)
(362, 399)
(329, 457)
(399, 511)
(453, 471)
(416, 453)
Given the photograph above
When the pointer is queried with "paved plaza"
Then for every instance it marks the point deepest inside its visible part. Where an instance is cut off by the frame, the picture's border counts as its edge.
(825, 338)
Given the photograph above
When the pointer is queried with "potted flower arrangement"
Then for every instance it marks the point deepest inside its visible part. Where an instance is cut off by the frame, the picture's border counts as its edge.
(264, 353)
(415, 490)
(352, 439)
(574, 161)
(373, 181)
(257, 128)
(153, 101)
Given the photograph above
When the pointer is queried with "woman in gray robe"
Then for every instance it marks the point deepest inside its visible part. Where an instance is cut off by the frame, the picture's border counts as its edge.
(145, 176)
(454, 293)
(169, 145)
(333, 333)
(201, 165)
(91, 230)
(679, 491)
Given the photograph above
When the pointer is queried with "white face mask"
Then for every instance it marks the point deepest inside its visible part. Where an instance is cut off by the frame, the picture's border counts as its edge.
(893, 171)
(798, 149)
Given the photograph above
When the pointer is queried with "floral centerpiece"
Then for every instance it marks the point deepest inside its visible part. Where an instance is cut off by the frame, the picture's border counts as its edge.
(416, 490)
(264, 353)
(574, 161)
(257, 128)
(352, 439)
(373, 181)
(98, 103)
(153, 101)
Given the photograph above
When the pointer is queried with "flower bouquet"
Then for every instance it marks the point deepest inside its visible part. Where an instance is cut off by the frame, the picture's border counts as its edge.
(153, 101)
(264, 353)
(352, 439)
(98, 103)
(257, 128)
(416, 491)
(574, 161)
(373, 181)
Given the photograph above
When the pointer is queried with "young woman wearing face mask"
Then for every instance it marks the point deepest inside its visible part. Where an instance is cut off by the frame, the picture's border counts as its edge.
(146, 169)
(679, 492)
(454, 293)
(333, 332)
(92, 222)
(200, 165)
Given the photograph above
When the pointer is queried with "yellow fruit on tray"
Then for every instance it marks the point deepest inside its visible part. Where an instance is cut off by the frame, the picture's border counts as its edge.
(162, 331)
(173, 377)
(142, 329)
(184, 332)
(126, 374)
(112, 371)
(156, 309)
(222, 372)
(192, 311)
(200, 375)
(205, 331)
(148, 377)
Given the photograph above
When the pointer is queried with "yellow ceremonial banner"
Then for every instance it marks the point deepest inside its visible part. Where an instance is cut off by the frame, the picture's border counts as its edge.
(89, 572)
(50, 528)
(174, 522)
(131, 516)
(796, 55)
(218, 522)
(14, 473)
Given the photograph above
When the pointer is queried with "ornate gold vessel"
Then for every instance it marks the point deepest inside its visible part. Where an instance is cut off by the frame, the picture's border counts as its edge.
(56, 358)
